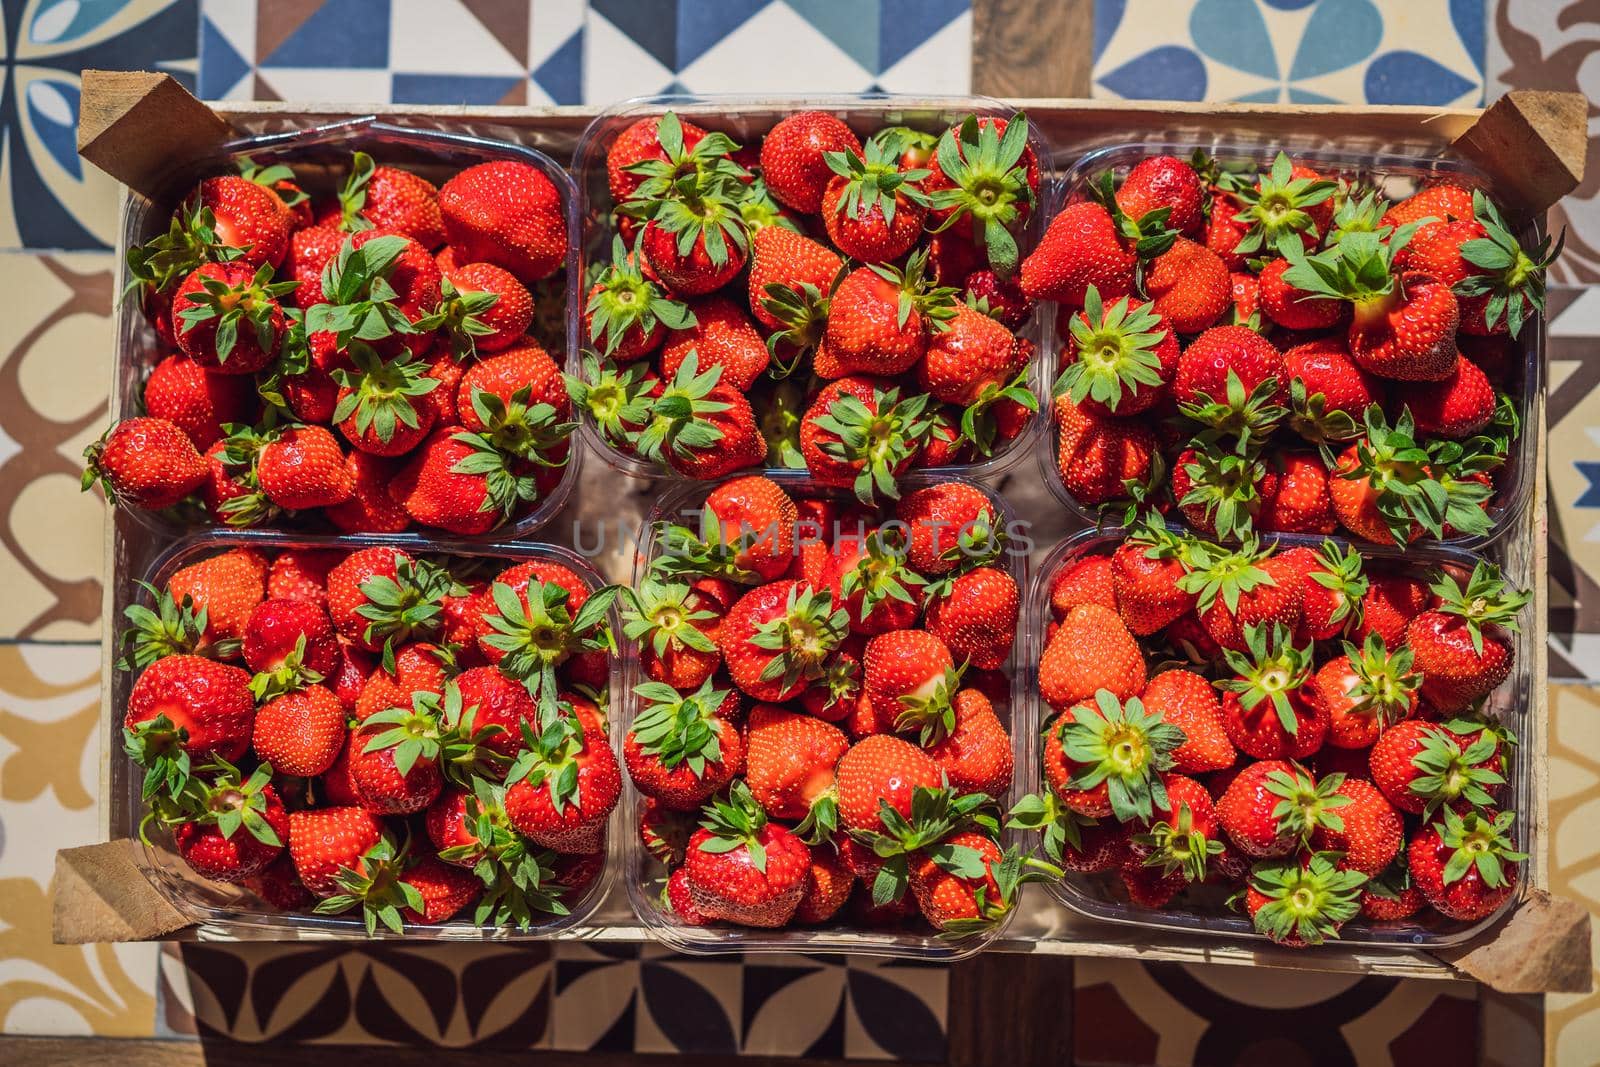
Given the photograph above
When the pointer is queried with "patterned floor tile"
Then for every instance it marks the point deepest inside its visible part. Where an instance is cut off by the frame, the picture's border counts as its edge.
(50, 758)
(55, 368)
(1573, 414)
(1294, 51)
(1171, 1014)
(55, 200)
(1573, 1022)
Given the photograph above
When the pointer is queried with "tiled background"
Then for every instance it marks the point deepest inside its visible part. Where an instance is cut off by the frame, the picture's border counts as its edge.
(57, 275)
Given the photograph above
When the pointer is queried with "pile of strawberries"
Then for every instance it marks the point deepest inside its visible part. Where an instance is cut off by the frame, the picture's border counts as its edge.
(811, 301)
(1286, 351)
(1292, 723)
(817, 726)
(363, 357)
(412, 737)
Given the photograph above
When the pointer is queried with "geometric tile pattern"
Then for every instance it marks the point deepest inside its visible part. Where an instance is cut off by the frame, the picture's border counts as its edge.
(1573, 413)
(1572, 1022)
(1291, 51)
(49, 198)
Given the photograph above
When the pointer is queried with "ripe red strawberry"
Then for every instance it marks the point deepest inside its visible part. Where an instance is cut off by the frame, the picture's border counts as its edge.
(909, 680)
(639, 143)
(1462, 647)
(1231, 378)
(723, 336)
(1184, 834)
(1392, 600)
(789, 767)
(1269, 708)
(301, 574)
(1466, 865)
(303, 467)
(749, 533)
(381, 594)
(964, 884)
(1186, 700)
(1101, 459)
(1242, 588)
(776, 638)
(678, 750)
(1272, 807)
(676, 628)
(279, 886)
(228, 829)
(444, 890)
(1105, 757)
(504, 375)
(506, 213)
(1146, 569)
(828, 885)
(1080, 248)
(626, 315)
(484, 307)
(859, 433)
(497, 700)
(976, 616)
(866, 573)
(1500, 284)
(1392, 895)
(287, 642)
(999, 298)
(1188, 285)
(1221, 490)
(1422, 766)
(1164, 182)
(1328, 392)
(227, 587)
(700, 428)
(880, 317)
(325, 841)
(1380, 489)
(872, 209)
(880, 770)
(680, 899)
(183, 392)
(743, 868)
(805, 268)
(1091, 651)
(246, 216)
(1445, 201)
(1458, 406)
(1365, 691)
(1223, 231)
(951, 524)
(183, 710)
(1302, 900)
(793, 157)
(370, 508)
(147, 462)
(1090, 580)
(378, 278)
(1293, 308)
(1246, 298)
(1119, 358)
(381, 405)
(971, 357)
(976, 755)
(458, 481)
(1289, 199)
(563, 789)
(1368, 833)
(392, 199)
(1298, 500)
(1332, 594)
(310, 249)
(300, 732)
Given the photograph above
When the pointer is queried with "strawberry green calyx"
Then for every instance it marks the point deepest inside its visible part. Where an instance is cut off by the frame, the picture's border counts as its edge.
(550, 757)
(1059, 827)
(1124, 747)
(990, 187)
(686, 553)
(353, 193)
(1386, 686)
(759, 210)
(707, 165)
(677, 422)
(935, 303)
(375, 886)
(1359, 210)
(519, 427)
(1159, 541)
(1306, 903)
(381, 392)
(1486, 601)
(1115, 351)
(171, 628)
(225, 800)
(802, 637)
(241, 445)
(1407, 482)
(910, 147)
(935, 815)
(978, 423)
(873, 180)
(236, 307)
(1479, 840)
(1248, 416)
(1175, 845)
(166, 259)
(1149, 235)
(1228, 573)
(289, 676)
(614, 397)
(514, 878)
(1342, 573)
(157, 745)
(279, 177)
(932, 715)
(437, 727)
(538, 637)
(680, 728)
(1009, 874)
(1273, 668)
(704, 214)
(882, 573)
(659, 611)
(735, 822)
(1394, 880)
(1275, 204)
(1305, 805)
(622, 299)
(1513, 277)
(1360, 269)
(360, 301)
(1225, 484)
(1446, 772)
(460, 317)
(877, 440)
(1310, 417)
(407, 607)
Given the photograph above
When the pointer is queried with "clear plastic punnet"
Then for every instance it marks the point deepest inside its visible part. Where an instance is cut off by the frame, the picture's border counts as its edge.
(643, 875)
(320, 155)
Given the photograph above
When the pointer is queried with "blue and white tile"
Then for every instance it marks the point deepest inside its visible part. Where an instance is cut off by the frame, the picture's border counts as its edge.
(1291, 51)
